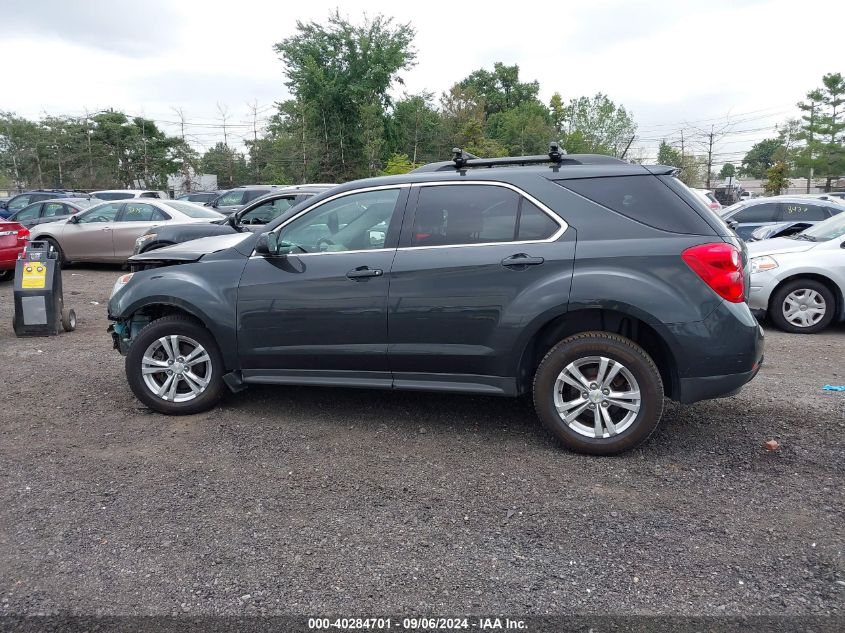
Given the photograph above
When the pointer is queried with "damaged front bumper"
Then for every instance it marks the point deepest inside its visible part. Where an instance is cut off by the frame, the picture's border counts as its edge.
(123, 332)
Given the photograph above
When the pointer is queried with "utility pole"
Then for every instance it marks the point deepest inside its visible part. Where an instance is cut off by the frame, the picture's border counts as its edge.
(253, 107)
(224, 119)
(711, 138)
(810, 143)
(187, 180)
(90, 155)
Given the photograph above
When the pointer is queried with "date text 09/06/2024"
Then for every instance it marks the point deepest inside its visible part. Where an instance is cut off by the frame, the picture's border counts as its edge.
(411, 624)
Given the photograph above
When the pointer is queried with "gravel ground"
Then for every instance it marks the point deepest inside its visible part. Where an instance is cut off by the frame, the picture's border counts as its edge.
(332, 501)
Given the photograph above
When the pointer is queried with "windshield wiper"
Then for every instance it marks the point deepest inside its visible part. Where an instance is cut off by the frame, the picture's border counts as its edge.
(803, 236)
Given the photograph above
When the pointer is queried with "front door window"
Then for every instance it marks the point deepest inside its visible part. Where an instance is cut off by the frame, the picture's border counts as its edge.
(355, 222)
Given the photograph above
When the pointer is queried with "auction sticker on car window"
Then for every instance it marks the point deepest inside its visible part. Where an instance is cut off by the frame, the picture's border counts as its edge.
(34, 275)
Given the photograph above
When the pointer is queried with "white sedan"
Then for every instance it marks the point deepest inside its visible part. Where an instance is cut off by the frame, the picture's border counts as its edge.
(107, 232)
(799, 281)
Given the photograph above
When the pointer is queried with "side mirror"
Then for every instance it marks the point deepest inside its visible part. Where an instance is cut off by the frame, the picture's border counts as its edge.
(74, 219)
(267, 244)
(733, 224)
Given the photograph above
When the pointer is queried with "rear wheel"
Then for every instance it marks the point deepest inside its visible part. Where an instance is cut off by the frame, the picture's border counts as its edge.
(599, 393)
(6, 275)
(802, 306)
(174, 366)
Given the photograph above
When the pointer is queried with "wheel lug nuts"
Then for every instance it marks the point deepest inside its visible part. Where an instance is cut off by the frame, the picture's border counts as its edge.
(605, 391)
(593, 385)
(592, 406)
(170, 362)
(605, 403)
(584, 395)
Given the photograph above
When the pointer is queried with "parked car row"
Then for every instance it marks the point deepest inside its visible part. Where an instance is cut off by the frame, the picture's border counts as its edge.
(106, 232)
(777, 216)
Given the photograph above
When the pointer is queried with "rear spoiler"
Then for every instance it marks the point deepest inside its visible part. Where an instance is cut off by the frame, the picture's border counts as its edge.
(662, 170)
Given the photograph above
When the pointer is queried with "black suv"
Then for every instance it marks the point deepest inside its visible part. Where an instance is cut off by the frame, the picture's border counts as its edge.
(597, 285)
(252, 217)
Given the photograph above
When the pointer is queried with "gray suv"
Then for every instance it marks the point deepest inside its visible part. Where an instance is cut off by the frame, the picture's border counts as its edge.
(598, 286)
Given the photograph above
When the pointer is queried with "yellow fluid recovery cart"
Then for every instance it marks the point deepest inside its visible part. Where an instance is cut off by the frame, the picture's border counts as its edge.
(39, 305)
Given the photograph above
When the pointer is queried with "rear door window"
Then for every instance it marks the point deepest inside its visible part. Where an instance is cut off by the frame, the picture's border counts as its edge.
(452, 215)
(231, 198)
(140, 212)
(534, 224)
(53, 209)
(763, 212)
(796, 211)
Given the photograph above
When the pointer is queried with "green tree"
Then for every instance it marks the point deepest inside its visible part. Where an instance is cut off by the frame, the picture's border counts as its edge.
(344, 72)
(501, 89)
(668, 155)
(776, 180)
(557, 111)
(413, 128)
(728, 171)
(829, 127)
(523, 130)
(761, 157)
(597, 125)
(228, 164)
(397, 164)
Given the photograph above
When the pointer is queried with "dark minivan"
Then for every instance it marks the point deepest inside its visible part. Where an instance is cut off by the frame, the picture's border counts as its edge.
(598, 286)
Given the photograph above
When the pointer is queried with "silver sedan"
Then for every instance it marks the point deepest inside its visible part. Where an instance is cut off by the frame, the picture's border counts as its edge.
(799, 281)
(107, 231)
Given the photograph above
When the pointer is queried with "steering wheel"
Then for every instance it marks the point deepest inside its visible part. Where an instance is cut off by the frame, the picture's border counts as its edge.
(324, 241)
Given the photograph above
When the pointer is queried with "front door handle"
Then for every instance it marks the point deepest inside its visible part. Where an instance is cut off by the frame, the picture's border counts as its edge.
(521, 259)
(363, 272)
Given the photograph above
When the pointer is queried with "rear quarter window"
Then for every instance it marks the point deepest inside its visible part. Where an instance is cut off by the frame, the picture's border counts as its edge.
(642, 198)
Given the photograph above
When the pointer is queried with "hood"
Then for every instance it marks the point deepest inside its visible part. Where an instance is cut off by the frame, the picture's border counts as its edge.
(193, 250)
(778, 246)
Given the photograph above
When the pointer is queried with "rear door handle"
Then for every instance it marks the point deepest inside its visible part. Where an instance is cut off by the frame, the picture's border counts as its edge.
(521, 259)
(362, 272)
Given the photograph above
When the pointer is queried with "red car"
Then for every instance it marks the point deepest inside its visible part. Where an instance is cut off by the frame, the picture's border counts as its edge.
(13, 237)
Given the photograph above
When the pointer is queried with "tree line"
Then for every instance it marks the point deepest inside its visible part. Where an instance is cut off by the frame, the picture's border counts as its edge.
(340, 123)
(812, 146)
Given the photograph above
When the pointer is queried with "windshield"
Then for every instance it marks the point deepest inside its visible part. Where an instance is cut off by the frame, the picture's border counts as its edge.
(191, 210)
(829, 229)
(734, 207)
(114, 195)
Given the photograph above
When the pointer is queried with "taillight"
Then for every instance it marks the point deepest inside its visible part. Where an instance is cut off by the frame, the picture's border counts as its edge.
(719, 266)
(23, 234)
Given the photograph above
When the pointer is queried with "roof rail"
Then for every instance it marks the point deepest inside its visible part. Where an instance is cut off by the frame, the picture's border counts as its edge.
(462, 160)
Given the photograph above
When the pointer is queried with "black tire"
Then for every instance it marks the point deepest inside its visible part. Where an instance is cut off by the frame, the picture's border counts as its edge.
(167, 326)
(635, 429)
(60, 253)
(68, 319)
(7, 275)
(776, 306)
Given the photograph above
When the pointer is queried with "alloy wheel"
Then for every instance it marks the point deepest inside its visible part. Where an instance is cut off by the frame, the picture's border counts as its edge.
(176, 368)
(597, 397)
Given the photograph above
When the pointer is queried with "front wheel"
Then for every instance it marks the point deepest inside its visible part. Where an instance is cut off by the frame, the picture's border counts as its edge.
(60, 254)
(174, 366)
(599, 393)
(803, 306)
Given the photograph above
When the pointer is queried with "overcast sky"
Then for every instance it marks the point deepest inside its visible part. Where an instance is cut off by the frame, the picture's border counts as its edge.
(676, 64)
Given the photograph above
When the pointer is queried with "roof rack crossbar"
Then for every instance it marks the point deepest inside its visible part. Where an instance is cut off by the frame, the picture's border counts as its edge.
(464, 159)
